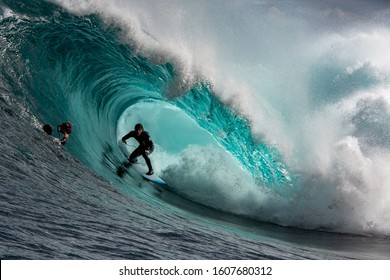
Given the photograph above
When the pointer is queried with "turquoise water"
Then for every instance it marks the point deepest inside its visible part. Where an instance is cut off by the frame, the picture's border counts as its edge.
(249, 168)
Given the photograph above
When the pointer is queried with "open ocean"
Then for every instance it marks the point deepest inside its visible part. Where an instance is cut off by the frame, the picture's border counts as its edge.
(270, 119)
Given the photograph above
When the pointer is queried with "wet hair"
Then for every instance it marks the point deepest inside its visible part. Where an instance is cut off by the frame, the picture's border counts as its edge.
(48, 129)
(138, 126)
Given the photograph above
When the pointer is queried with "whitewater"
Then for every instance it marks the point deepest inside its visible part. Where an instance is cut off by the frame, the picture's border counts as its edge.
(270, 119)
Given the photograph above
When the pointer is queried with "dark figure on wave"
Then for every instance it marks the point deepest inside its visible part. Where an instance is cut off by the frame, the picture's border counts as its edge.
(145, 147)
(65, 129)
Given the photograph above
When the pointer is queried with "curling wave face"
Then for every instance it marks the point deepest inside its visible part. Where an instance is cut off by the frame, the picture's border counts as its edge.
(314, 159)
(81, 72)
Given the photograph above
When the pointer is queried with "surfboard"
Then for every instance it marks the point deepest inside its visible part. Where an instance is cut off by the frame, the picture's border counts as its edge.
(143, 170)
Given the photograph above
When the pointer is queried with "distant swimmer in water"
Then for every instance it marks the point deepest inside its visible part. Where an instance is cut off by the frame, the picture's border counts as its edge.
(49, 131)
(64, 128)
(145, 147)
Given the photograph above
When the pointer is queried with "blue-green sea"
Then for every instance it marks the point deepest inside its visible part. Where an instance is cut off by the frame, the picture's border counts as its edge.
(270, 119)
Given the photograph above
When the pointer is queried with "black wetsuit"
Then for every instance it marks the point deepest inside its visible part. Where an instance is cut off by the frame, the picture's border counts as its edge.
(145, 143)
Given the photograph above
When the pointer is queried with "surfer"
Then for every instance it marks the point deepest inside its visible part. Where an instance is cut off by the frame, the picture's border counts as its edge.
(65, 129)
(145, 148)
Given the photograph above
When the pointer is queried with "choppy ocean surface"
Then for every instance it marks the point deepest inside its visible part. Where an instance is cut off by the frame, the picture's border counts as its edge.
(274, 142)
